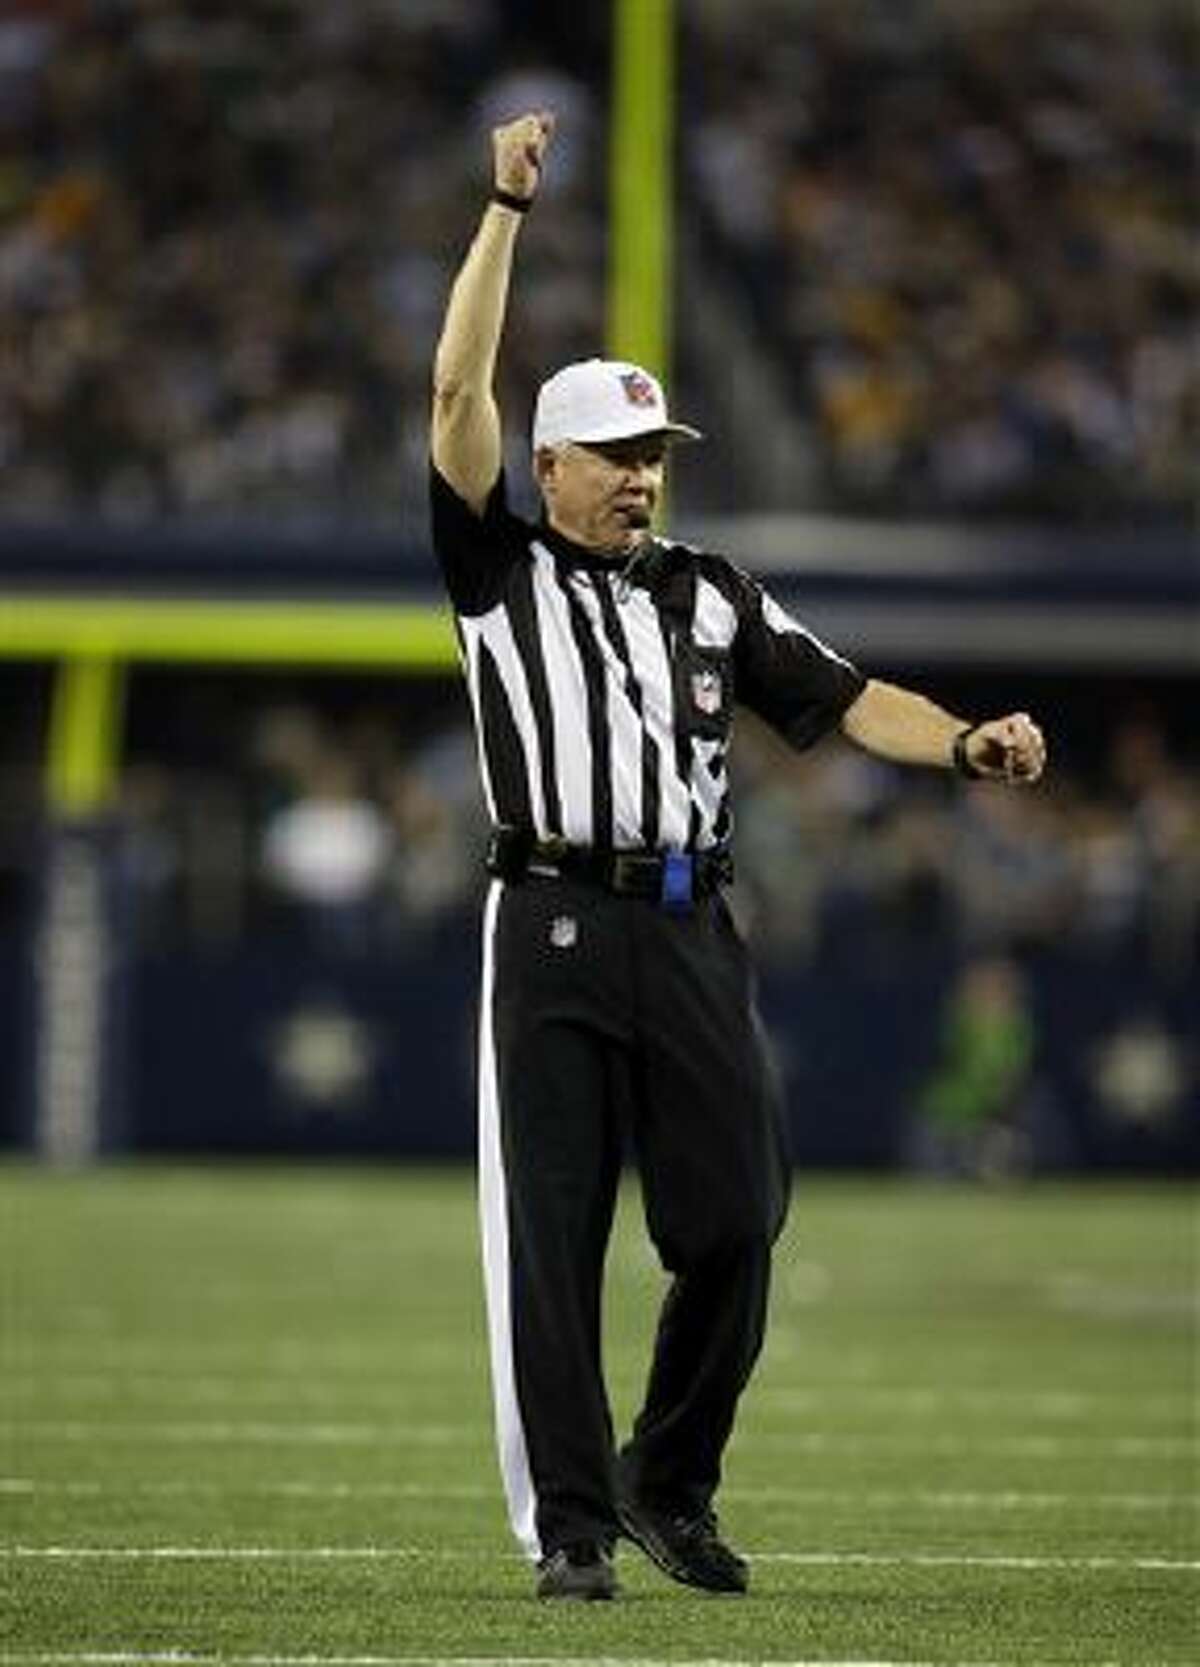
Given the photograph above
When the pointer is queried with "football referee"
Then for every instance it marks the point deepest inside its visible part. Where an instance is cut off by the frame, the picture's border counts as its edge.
(603, 665)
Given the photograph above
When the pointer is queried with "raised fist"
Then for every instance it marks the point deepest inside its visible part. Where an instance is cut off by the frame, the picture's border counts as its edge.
(518, 151)
(1007, 749)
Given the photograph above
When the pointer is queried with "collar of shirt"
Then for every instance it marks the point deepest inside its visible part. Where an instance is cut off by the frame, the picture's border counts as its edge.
(645, 566)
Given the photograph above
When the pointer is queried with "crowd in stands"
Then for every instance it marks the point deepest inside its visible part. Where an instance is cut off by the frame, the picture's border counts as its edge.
(840, 853)
(328, 826)
(226, 233)
(226, 236)
(970, 236)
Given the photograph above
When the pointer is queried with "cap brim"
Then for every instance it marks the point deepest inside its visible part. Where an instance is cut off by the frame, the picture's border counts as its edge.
(682, 431)
(626, 431)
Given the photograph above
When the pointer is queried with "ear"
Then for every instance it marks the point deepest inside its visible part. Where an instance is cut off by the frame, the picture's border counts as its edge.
(545, 460)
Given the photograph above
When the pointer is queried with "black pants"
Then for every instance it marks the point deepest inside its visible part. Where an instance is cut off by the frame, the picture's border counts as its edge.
(597, 1009)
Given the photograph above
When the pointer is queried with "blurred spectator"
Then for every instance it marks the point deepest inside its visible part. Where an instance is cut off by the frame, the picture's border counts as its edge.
(327, 853)
(969, 1120)
(437, 866)
(1161, 802)
(1011, 870)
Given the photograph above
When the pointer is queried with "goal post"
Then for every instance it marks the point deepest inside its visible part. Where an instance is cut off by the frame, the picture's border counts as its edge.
(641, 182)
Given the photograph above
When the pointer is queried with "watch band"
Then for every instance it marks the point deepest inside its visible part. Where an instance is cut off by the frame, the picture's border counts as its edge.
(959, 758)
(509, 199)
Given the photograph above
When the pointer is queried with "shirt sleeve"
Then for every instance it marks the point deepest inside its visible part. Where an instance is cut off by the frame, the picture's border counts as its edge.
(476, 552)
(785, 674)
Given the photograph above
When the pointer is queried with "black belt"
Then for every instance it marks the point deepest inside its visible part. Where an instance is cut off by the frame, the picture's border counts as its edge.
(673, 878)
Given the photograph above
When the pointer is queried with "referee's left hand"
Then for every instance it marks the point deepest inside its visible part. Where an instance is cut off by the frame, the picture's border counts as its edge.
(1008, 749)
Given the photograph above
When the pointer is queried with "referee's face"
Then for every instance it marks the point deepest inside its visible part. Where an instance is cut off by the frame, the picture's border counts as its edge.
(603, 494)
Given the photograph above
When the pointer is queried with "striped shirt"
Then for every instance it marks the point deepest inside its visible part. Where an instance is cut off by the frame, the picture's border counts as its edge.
(603, 690)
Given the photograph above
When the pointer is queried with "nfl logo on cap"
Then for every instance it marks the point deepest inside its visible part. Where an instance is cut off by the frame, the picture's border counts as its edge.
(639, 390)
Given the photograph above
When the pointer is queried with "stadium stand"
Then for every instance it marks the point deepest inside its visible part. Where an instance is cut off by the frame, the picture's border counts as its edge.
(968, 237)
(226, 232)
(962, 238)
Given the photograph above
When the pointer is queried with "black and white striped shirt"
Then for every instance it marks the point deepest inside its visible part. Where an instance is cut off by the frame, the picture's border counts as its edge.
(603, 693)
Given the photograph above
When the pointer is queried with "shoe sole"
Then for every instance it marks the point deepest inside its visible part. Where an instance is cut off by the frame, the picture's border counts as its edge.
(662, 1559)
(579, 1594)
(593, 1586)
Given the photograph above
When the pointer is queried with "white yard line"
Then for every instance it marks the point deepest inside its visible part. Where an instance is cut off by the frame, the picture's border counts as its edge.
(250, 1389)
(1054, 1405)
(381, 1553)
(184, 1658)
(188, 1489)
(829, 1374)
(280, 1354)
(946, 1500)
(1081, 1294)
(262, 1388)
(874, 1499)
(939, 1560)
(959, 1446)
(202, 1432)
(243, 1553)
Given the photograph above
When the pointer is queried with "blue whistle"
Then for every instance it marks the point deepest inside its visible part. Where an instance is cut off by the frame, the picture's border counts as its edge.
(677, 888)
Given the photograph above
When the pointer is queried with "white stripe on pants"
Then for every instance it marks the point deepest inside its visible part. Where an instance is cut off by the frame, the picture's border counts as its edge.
(497, 1271)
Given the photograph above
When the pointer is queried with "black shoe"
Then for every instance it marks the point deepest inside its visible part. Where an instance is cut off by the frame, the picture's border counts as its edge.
(580, 1570)
(688, 1548)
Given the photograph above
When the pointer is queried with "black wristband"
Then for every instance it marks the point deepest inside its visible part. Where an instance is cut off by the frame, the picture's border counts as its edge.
(959, 757)
(509, 199)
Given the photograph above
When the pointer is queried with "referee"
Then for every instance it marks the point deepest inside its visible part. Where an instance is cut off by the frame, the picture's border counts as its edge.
(603, 664)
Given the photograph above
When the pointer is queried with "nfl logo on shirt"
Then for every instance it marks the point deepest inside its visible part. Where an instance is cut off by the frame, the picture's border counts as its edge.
(706, 691)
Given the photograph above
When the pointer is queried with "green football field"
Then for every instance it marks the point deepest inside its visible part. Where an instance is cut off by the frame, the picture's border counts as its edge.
(245, 1418)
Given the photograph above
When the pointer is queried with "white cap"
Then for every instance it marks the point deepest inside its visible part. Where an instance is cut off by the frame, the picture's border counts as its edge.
(595, 400)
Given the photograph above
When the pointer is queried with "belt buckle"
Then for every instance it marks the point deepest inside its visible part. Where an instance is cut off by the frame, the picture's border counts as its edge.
(549, 857)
